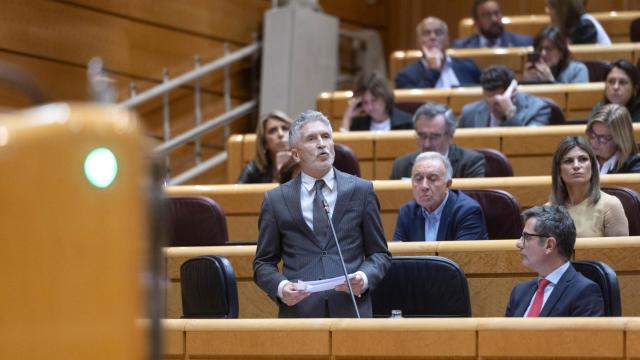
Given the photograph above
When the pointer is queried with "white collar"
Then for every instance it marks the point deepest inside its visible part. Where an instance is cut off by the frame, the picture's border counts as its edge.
(309, 181)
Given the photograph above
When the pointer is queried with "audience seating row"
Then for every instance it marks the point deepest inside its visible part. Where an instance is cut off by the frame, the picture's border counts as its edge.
(241, 203)
(529, 150)
(515, 58)
(492, 268)
(575, 100)
(490, 338)
(615, 23)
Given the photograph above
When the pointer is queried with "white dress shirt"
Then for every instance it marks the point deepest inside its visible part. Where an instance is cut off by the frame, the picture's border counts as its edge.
(608, 165)
(553, 278)
(448, 78)
(380, 126)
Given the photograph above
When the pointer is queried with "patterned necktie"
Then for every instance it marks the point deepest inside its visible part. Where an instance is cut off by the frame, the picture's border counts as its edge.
(537, 299)
(320, 218)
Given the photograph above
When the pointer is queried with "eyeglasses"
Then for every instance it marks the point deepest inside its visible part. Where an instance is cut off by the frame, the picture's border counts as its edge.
(526, 236)
(601, 139)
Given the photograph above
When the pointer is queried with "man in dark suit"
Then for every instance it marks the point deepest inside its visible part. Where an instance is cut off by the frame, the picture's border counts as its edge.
(487, 18)
(435, 125)
(545, 246)
(503, 105)
(436, 212)
(372, 107)
(294, 228)
(436, 69)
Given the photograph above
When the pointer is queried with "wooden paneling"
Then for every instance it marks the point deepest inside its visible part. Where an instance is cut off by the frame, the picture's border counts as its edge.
(215, 19)
(492, 268)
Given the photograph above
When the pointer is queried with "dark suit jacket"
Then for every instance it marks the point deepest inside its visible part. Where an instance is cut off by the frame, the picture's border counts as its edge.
(461, 219)
(252, 175)
(399, 120)
(507, 39)
(574, 295)
(465, 163)
(530, 111)
(630, 165)
(416, 75)
(285, 236)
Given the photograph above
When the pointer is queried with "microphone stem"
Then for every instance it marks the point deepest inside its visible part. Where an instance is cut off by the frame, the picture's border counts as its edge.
(344, 268)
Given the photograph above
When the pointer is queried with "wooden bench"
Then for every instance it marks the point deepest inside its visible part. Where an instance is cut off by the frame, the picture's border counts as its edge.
(575, 100)
(489, 338)
(516, 57)
(615, 23)
(529, 150)
(492, 268)
(241, 203)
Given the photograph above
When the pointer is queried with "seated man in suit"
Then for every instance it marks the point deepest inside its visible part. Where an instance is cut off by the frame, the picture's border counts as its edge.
(435, 125)
(545, 246)
(487, 19)
(294, 228)
(503, 105)
(372, 107)
(435, 69)
(437, 212)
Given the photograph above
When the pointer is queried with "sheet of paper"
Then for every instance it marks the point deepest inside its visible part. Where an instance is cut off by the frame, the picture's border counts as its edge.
(321, 285)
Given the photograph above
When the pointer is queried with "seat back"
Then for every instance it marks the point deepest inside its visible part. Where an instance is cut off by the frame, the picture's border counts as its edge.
(597, 69)
(634, 30)
(409, 107)
(603, 275)
(196, 221)
(501, 213)
(496, 164)
(346, 160)
(429, 286)
(557, 115)
(631, 203)
(209, 289)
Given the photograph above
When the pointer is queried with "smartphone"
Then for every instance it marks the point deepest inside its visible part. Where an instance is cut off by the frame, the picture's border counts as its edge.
(533, 57)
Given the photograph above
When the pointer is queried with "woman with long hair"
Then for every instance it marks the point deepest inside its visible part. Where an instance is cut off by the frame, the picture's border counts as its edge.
(554, 62)
(575, 184)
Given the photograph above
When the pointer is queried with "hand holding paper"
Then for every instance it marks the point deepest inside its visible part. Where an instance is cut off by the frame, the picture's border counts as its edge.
(321, 285)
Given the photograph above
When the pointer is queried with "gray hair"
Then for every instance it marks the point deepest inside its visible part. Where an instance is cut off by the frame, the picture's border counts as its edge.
(304, 118)
(432, 155)
(554, 220)
(431, 110)
(440, 22)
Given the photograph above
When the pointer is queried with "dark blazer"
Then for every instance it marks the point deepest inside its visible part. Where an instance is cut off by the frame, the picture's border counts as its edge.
(252, 175)
(461, 219)
(507, 39)
(530, 111)
(399, 120)
(574, 295)
(630, 165)
(416, 75)
(285, 236)
(465, 163)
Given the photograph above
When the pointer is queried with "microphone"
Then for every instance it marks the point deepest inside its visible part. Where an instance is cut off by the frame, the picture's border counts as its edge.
(344, 267)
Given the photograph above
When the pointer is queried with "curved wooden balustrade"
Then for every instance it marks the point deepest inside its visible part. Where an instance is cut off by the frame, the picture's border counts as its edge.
(492, 268)
(615, 23)
(516, 57)
(241, 203)
(488, 338)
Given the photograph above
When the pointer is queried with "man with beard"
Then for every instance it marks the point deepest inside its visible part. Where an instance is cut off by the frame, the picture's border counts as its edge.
(487, 18)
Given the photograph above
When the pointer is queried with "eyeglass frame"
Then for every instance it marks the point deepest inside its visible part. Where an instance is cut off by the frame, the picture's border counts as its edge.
(600, 139)
(525, 236)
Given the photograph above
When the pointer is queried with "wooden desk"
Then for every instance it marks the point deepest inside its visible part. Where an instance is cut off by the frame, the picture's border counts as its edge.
(516, 57)
(575, 100)
(492, 268)
(615, 23)
(241, 203)
(488, 338)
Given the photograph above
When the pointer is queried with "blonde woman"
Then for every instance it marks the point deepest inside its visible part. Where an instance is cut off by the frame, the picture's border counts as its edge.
(610, 133)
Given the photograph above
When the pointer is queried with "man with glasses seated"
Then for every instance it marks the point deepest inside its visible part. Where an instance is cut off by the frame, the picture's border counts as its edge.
(435, 125)
(545, 246)
(437, 212)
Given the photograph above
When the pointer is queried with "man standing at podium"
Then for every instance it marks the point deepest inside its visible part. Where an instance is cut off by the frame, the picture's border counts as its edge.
(545, 246)
(294, 227)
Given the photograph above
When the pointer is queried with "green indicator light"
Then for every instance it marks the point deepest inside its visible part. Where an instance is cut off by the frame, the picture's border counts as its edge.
(101, 167)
